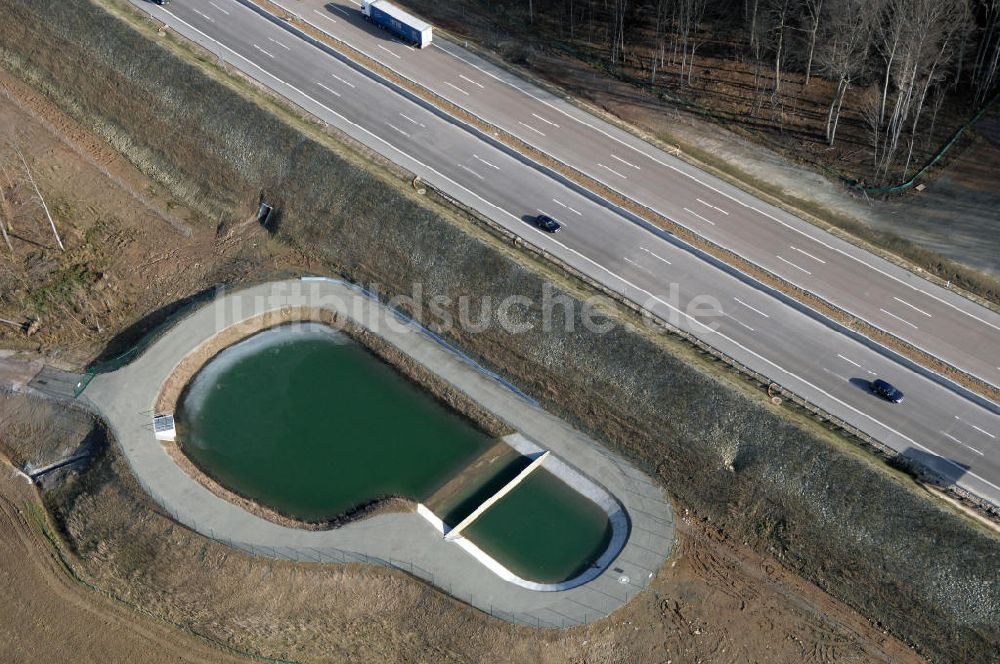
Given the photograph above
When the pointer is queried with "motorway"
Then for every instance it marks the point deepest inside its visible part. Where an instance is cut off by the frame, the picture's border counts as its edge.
(936, 425)
(934, 319)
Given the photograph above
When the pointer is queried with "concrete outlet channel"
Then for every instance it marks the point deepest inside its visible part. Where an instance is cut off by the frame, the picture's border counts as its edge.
(419, 543)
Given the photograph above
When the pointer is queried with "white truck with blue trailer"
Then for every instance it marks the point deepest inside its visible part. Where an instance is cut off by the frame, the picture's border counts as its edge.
(389, 17)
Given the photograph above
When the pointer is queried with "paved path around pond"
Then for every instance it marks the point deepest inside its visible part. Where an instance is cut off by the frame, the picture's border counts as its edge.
(405, 541)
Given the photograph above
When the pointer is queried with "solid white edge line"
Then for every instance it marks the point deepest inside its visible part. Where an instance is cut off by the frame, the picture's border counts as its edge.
(683, 314)
(750, 206)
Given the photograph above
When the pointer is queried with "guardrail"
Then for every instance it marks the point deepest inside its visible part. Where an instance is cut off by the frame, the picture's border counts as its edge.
(919, 471)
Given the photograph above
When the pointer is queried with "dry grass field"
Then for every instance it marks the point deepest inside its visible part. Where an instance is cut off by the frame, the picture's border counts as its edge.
(715, 601)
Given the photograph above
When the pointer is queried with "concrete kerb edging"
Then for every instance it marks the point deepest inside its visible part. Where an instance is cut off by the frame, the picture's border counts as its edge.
(647, 225)
(739, 367)
(399, 540)
(406, 320)
(581, 483)
(938, 378)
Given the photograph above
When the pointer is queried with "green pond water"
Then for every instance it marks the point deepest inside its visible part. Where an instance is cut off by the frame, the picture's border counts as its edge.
(308, 422)
(543, 530)
(480, 488)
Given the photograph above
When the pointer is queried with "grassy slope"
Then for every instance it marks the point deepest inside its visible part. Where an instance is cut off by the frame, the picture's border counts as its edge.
(852, 526)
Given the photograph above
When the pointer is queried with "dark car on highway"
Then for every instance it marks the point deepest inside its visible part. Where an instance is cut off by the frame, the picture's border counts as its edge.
(547, 223)
(886, 390)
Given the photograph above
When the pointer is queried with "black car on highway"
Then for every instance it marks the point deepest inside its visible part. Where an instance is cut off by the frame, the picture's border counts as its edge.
(886, 390)
(547, 223)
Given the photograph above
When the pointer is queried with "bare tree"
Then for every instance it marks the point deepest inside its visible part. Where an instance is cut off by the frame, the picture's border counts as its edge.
(778, 20)
(4, 209)
(923, 35)
(813, 12)
(987, 59)
(41, 199)
(689, 16)
(845, 44)
(3, 228)
(618, 30)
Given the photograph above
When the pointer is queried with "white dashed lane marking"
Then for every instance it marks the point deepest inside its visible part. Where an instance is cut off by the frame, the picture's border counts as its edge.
(452, 85)
(326, 16)
(911, 306)
(608, 168)
(397, 129)
(548, 122)
(690, 211)
(982, 431)
(738, 321)
(644, 269)
(347, 83)
(738, 300)
(806, 253)
(412, 121)
(530, 127)
(712, 206)
(617, 158)
(963, 444)
(656, 256)
(902, 320)
(466, 168)
(263, 51)
(493, 166)
(469, 80)
(333, 92)
(558, 202)
(797, 267)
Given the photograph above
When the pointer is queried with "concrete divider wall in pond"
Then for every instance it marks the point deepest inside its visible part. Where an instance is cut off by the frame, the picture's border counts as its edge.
(126, 397)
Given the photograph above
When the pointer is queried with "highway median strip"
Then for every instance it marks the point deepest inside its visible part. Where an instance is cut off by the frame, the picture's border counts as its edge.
(755, 272)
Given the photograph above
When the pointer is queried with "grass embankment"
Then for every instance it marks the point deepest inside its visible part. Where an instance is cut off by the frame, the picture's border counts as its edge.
(543, 52)
(863, 532)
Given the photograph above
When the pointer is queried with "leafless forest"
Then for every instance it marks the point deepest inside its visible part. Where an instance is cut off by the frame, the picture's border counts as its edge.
(887, 80)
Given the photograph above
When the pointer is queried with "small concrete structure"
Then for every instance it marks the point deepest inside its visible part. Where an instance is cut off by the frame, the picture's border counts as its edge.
(504, 490)
(641, 517)
(580, 482)
(163, 428)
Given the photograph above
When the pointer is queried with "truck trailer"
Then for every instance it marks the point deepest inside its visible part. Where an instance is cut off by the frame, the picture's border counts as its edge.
(389, 17)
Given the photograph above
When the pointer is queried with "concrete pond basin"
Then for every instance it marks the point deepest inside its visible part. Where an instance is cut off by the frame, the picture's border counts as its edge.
(560, 530)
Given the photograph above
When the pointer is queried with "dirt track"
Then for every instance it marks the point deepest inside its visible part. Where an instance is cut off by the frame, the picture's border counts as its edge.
(46, 616)
(717, 601)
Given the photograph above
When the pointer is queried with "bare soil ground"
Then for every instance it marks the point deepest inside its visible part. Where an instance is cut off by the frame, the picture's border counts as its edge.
(129, 249)
(128, 258)
(715, 601)
(956, 215)
(47, 616)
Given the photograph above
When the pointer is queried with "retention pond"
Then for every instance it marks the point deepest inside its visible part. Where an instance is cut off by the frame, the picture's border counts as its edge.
(306, 421)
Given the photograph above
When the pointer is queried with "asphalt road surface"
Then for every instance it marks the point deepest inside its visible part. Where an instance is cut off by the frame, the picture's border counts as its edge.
(955, 435)
(886, 296)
